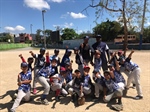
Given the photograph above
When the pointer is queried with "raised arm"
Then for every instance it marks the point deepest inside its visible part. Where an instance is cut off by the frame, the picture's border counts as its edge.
(32, 54)
(130, 55)
(22, 58)
(116, 63)
(47, 57)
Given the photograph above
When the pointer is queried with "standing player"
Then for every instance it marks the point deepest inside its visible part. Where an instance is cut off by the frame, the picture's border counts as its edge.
(85, 50)
(103, 48)
(24, 80)
(39, 63)
(135, 71)
(79, 60)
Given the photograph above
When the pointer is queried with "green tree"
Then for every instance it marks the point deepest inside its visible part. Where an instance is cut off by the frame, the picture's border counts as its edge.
(109, 30)
(68, 33)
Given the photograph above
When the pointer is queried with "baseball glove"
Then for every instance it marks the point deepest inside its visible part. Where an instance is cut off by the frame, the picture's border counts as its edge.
(117, 107)
(81, 101)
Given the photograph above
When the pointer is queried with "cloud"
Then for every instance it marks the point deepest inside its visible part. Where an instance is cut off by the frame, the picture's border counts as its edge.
(17, 28)
(68, 25)
(65, 25)
(37, 4)
(76, 16)
(57, 1)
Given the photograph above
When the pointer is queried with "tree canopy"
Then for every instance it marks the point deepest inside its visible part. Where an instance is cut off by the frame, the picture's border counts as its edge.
(68, 33)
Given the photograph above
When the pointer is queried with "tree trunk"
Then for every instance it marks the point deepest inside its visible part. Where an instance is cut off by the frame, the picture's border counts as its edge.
(125, 44)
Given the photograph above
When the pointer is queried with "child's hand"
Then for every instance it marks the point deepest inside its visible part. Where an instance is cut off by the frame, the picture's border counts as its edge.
(132, 51)
(30, 52)
(20, 55)
(19, 83)
(47, 54)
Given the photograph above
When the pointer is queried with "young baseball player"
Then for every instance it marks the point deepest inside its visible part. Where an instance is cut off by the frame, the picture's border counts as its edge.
(97, 60)
(56, 53)
(122, 57)
(58, 80)
(39, 63)
(77, 86)
(69, 70)
(135, 71)
(115, 72)
(79, 60)
(99, 82)
(111, 88)
(24, 80)
(87, 83)
(66, 58)
(30, 61)
(43, 75)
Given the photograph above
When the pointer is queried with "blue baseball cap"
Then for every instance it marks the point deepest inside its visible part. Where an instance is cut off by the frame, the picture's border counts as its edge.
(24, 64)
(98, 36)
(86, 37)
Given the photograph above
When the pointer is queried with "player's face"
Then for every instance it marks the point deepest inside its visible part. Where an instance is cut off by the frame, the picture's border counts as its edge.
(53, 63)
(30, 61)
(98, 39)
(68, 67)
(24, 69)
(42, 52)
(86, 71)
(78, 74)
(107, 76)
(57, 53)
(69, 54)
(97, 55)
(111, 68)
(86, 40)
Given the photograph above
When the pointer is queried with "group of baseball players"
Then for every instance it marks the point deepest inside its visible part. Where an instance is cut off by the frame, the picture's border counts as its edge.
(59, 75)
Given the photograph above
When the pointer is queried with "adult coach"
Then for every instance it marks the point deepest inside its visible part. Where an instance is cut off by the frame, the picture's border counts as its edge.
(85, 50)
(103, 48)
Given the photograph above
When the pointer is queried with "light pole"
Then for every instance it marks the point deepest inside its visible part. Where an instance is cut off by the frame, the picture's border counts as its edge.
(43, 11)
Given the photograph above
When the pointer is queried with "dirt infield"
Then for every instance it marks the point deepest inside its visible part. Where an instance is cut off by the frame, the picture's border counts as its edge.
(10, 67)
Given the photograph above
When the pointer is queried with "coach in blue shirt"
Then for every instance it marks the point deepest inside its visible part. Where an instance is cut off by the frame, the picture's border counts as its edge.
(101, 46)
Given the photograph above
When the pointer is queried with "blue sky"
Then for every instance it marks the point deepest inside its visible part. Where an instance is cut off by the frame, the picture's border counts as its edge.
(17, 15)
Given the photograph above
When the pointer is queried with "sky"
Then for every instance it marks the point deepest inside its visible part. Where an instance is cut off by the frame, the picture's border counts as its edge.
(20, 16)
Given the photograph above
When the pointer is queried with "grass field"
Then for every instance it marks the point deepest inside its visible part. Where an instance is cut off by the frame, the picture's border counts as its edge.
(7, 46)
